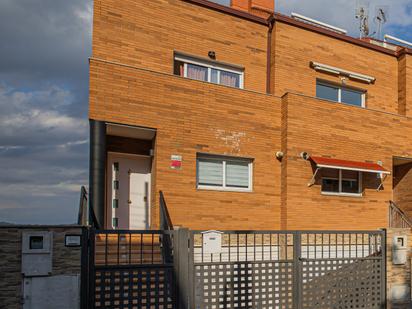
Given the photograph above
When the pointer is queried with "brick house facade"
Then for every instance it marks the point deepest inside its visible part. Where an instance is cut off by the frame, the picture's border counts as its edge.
(141, 107)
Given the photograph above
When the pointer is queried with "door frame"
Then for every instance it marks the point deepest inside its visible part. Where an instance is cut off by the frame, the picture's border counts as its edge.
(108, 181)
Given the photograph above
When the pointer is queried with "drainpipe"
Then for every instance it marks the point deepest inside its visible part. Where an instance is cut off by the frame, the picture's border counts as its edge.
(271, 23)
(97, 167)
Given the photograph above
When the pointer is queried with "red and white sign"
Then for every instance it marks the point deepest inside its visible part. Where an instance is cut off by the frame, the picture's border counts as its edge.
(176, 162)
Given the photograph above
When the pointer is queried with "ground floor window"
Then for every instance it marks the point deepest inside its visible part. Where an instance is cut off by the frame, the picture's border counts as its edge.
(341, 182)
(224, 173)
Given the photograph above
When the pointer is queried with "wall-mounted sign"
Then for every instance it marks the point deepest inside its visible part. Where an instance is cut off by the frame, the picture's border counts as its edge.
(212, 242)
(176, 162)
(72, 240)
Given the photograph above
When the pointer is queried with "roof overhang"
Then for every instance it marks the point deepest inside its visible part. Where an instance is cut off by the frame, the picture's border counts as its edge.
(130, 131)
(338, 71)
(365, 167)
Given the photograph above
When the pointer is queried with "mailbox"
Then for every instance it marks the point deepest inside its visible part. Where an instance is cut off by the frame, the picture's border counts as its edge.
(399, 249)
(212, 242)
(36, 253)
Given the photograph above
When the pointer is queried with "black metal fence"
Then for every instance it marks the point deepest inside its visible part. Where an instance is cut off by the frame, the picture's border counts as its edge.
(247, 269)
(284, 269)
(132, 269)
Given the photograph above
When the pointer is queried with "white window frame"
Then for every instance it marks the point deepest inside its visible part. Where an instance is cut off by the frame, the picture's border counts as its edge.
(210, 66)
(331, 85)
(223, 187)
(340, 180)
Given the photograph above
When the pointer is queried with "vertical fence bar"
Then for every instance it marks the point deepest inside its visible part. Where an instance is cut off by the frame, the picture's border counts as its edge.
(118, 249)
(130, 248)
(106, 250)
(181, 266)
(297, 273)
(84, 282)
(383, 261)
(141, 248)
(191, 270)
(92, 274)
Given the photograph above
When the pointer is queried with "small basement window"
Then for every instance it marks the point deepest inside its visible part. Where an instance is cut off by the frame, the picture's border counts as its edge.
(36, 242)
(340, 94)
(224, 173)
(208, 71)
(341, 182)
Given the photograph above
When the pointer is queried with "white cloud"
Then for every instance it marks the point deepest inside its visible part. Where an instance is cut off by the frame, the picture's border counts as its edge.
(43, 108)
(38, 117)
(42, 120)
(43, 150)
(35, 190)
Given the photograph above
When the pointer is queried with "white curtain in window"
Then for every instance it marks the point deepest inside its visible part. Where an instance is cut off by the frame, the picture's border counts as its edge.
(196, 72)
(214, 76)
(229, 79)
(237, 174)
(210, 172)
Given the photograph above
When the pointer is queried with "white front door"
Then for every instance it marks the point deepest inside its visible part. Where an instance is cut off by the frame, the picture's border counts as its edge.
(128, 192)
(139, 196)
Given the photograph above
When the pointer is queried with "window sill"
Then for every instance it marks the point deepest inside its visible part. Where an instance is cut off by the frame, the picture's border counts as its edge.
(208, 82)
(363, 106)
(209, 188)
(342, 194)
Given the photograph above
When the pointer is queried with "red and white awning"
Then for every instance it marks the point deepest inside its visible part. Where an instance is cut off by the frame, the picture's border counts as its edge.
(366, 167)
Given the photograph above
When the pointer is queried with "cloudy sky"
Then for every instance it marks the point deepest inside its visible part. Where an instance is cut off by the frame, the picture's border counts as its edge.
(44, 97)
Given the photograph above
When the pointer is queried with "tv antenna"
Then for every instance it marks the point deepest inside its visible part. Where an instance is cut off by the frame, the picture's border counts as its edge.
(362, 14)
(381, 17)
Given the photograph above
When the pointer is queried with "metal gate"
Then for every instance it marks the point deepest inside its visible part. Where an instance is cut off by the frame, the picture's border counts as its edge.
(131, 269)
(249, 269)
(275, 269)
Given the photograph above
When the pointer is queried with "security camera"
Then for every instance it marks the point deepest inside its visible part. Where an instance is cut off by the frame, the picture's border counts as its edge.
(279, 155)
(304, 155)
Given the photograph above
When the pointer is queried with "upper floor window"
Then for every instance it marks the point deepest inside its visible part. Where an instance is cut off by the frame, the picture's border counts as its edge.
(224, 173)
(208, 71)
(340, 94)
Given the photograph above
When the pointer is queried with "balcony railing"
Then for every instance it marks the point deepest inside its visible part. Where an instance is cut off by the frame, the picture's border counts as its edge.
(397, 218)
(165, 221)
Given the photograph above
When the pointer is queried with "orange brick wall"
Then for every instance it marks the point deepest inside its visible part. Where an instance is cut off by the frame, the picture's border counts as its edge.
(145, 33)
(408, 86)
(405, 85)
(294, 49)
(191, 117)
(228, 121)
(322, 128)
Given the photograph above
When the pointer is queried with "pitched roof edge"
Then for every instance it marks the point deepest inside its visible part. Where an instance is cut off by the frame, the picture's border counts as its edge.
(404, 51)
(291, 21)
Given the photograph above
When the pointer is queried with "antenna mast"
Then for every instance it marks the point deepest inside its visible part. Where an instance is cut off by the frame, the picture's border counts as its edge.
(381, 17)
(362, 14)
